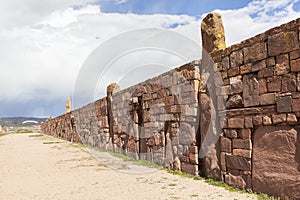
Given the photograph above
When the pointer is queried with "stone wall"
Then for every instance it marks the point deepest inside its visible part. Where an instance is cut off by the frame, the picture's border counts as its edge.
(252, 96)
(155, 120)
(258, 80)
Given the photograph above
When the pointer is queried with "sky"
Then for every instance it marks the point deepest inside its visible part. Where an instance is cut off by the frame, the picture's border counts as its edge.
(45, 43)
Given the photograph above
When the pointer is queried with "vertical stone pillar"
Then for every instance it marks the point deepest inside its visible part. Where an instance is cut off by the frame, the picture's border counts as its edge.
(68, 105)
(213, 38)
(112, 88)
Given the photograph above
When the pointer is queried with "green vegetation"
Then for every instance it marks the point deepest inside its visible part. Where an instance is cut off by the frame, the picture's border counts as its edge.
(147, 164)
(23, 131)
(1, 134)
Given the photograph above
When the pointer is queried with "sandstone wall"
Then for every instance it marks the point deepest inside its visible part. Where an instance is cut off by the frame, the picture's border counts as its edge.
(155, 120)
(258, 80)
(255, 102)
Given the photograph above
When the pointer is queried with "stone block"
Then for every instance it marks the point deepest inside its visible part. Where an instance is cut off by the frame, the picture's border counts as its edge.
(294, 54)
(248, 122)
(298, 82)
(267, 72)
(255, 53)
(193, 149)
(193, 158)
(234, 101)
(258, 66)
(236, 59)
(245, 133)
(225, 63)
(223, 161)
(267, 120)
(236, 181)
(282, 66)
(241, 144)
(295, 65)
(245, 69)
(289, 83)
(262, 86)
(292, 119)
(280, 118)
(189, 168)
(296, 105)
(267, 99)
(242, 152)
(270, 62)
(233, 71)
(257, 120)
(231, 133)
(282, 42)
(236, 85)
(250, 90)
(236, 123)
(237, 162)
(284, 104)
(225, 145)
(274, 84)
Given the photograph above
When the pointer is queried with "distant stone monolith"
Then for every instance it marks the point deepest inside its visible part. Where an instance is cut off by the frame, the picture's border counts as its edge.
(68, 105)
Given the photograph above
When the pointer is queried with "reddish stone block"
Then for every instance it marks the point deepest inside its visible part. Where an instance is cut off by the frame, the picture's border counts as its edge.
(284, 104)
(295, 65)
(250, 91)
(223, 161)
(245, 134)
(236, 59)
(236, 181)
(245, 69)
(282, 66)
(189, 168)
(296, 105)
(225, 63)
(242, 152)
(282, 42)
(248, 122)
(236, 87)
(267, 99)
(231, 133)
(258, 66)
(237, 162)
(225, 145)
(274, 84)
(233, 71)
(255, 53)
(289, 83)
(292, 119)
(241, 144)
(270, 62)
(262, 86)
(257, 120)
(266, 72)
(267, 120)
(294, 54)
(277, 119)
(236, 123)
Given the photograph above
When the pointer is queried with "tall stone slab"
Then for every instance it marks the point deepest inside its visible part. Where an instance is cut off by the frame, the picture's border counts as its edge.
(213, 38)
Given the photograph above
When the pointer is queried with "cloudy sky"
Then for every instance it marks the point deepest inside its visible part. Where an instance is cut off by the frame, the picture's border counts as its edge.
(45, 43)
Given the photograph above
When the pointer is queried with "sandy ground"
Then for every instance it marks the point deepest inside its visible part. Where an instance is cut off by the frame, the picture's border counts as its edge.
(35, 166)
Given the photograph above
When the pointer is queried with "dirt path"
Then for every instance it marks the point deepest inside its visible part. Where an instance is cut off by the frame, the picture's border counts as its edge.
(41, 167)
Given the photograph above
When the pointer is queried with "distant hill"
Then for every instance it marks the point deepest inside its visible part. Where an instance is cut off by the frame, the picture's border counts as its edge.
(18, 121)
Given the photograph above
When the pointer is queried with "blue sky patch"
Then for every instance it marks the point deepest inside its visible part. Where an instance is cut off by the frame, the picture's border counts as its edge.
(173, 7)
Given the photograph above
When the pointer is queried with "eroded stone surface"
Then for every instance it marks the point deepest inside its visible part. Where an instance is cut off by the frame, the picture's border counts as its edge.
(276, 161)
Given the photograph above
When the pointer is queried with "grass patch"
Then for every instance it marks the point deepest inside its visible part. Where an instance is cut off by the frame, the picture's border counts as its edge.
(2, 134)
(122, 156)
(147, 164)
(23, 131)
(172, 184)
(266, 197)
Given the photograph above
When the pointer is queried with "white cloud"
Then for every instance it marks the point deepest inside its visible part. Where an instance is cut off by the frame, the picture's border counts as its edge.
(44, 43)
(120, 1)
